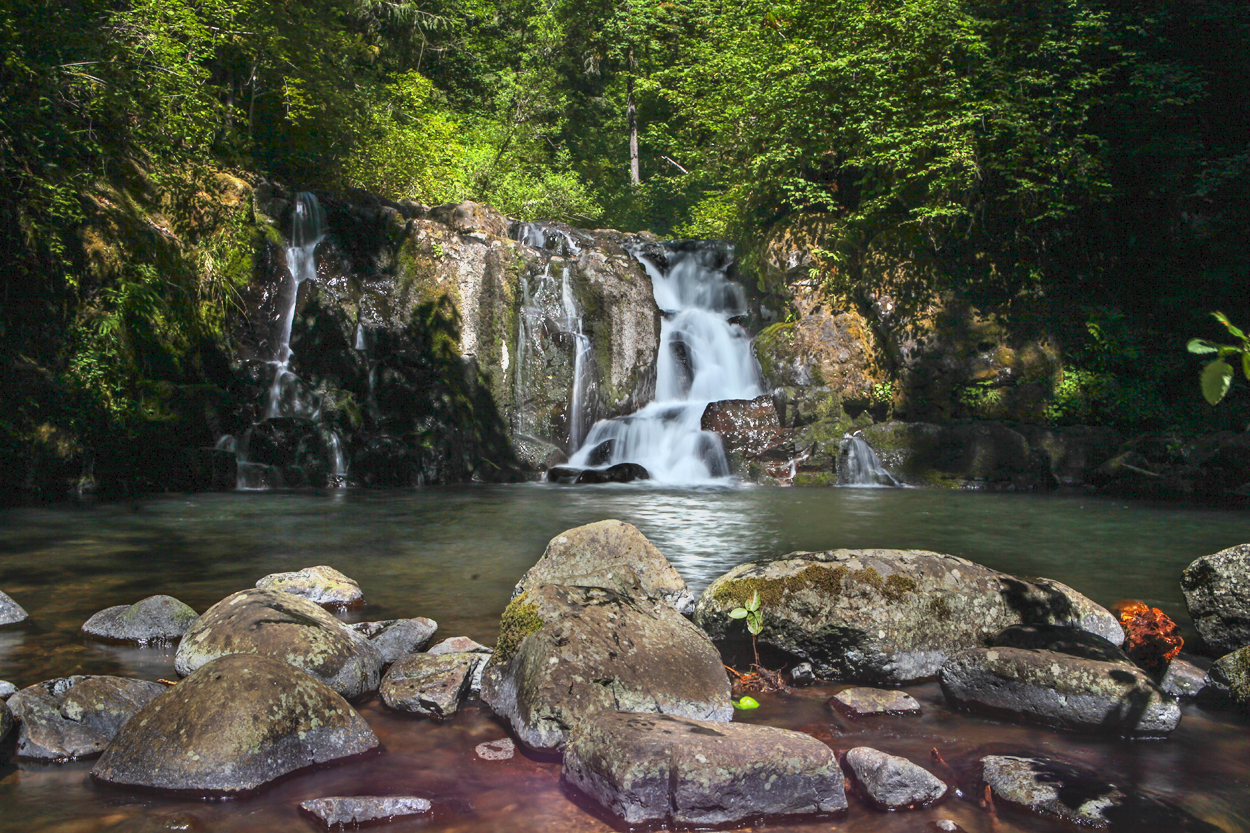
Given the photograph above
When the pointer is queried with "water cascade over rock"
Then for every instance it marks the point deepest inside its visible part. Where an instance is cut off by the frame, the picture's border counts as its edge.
(858, 464)
(704, 357)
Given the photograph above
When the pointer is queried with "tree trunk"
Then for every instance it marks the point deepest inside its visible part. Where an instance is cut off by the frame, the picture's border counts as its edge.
(631, 113)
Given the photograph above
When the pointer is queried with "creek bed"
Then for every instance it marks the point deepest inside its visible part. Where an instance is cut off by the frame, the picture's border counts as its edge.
(454, 554)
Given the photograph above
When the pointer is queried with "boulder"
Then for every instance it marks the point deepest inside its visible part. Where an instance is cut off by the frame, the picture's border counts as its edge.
(861, 702)
(1080, 797)
(1071, 641)
(1062, 690)
(10, 611)
(1217, 593)
(1229, 676)
(433, 686)
(1183, 679)
(567, 652)
(76, 717)
(154, 619)
(343, 811)
(459, 645)
(7, 689)
(324, 585)
(237, 723)
(752, 435)
(290, 628)
(887, 616)
(890, 782)
(7, 721)
(597, 554)
(660, 769)
(395, 638)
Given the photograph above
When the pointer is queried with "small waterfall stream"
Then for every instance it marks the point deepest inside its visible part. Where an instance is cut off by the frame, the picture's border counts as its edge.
(858, 464)
(703, 358)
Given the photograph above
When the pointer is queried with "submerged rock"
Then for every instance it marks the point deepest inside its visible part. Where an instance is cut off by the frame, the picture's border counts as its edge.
(1060, 690)
(10, 611)
(567, 652)
(76, 717)
(288, 627)
(892, 783)
(1217, 593)
(496, 750)
(619, 473)
(154, 619)
(595, 555)
(239, 722)
(324, 585)
(433, 686)
(659, 769)
(887, 616)
(359, 809)
(395, 638)
(860, 702)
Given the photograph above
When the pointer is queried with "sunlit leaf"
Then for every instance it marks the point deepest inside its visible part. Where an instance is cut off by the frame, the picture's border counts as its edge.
(1217, 376)
(1201, 345)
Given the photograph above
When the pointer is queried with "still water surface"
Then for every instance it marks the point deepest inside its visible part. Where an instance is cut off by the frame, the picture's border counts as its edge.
(454, 555)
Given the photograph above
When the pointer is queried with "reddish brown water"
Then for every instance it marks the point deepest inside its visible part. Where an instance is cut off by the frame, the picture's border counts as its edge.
(455, 556)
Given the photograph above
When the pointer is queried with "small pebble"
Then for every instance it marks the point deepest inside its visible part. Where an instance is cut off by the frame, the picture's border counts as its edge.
(496, 750)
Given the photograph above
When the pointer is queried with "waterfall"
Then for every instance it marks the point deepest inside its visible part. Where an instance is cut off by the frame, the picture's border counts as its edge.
(306, 233)
(858, 464)
(703, 358)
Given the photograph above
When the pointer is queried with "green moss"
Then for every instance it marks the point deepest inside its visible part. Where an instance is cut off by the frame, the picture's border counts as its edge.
(520, 619)
(826, 581)
(776, 340)
(1239, 676)
(940, 608)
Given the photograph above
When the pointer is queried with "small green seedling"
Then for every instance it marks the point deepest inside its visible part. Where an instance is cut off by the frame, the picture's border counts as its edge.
(755, 620)
(745, 703)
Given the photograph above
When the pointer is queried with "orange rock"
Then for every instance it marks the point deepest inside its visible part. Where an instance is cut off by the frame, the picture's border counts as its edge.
(1152, 639)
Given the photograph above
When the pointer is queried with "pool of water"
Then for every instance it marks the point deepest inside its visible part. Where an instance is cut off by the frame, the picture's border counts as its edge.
(454, 555)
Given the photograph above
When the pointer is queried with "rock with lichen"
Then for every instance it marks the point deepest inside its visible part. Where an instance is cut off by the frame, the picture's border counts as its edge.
(890, 782)
(237, 723)
(610, 554)
(567, 652)
(659, 769)
(1230, 676)
(154, 619)
(76, 717)
(886, 616)
(1217, 593)
(287, 627)
(432, 686)
(324, 585)
(10, 611)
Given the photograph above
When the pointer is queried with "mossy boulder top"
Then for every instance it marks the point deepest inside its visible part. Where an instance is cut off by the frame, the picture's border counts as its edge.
(154, 619)
(286, 627)
(1217, 593)
(324, 585)
(887, 616)
(567, 652)
(609, 554)
(232, 726)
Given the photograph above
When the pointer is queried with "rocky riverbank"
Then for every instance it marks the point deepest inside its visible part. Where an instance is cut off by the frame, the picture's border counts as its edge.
(596, 664)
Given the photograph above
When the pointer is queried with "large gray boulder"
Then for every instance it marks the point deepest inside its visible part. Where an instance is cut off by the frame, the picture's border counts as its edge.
(154, 619)
(1217, 593)
(432, 686)
(290, 628)
(659, 769)
(324, 585)
(604, 554)
(887, 616)
(235, 724)
(567, 652)
(890, 782)
(1056, 689)
(76, 717)
(10, 611)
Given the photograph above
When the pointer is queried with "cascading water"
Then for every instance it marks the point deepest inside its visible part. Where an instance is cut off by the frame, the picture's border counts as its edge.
(703, 358)
(858, 464)
(306, 232)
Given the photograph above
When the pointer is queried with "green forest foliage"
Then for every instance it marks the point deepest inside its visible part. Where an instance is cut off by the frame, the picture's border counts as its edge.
(1087, 159)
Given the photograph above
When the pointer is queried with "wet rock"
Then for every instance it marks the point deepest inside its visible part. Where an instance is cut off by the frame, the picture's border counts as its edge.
(890, 782)
(1229, 676)
(496, 750)
(7, 689)
(1217, 593)
(459, 645)
(1061, 690)
(395, 638)
(619, 473)
(1183, 679)
(360, 809)
(324, 585)
(7, 721)
(752, 435)
(653, 769)
(290, 628)
(154, 619)
(159, 823)
(945, 826)
(1071, 641)
(433, 686)
(76, 717)
(10, 611)
(980, 454)
(886, 616)
(241, 721)
(1081, 797)
(599, 554)
(802, 675)
(860, 702)
(566, 652)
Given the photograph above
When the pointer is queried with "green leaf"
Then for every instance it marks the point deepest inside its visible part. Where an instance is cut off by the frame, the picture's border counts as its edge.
(1217, 376)
(754, 604)
(737, 613)
(1201, 345)
(746, 703)
(1245, 363)
(1223, 319)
